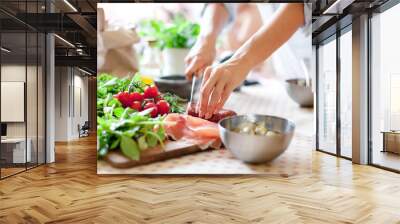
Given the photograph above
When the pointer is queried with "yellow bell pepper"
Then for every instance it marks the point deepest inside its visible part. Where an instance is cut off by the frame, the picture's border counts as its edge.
(147, 80)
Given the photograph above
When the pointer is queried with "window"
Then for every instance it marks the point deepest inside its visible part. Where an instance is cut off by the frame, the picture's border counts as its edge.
(346, 94)
(22, 77)
(327, 97)
(385, 89)
(14, 153)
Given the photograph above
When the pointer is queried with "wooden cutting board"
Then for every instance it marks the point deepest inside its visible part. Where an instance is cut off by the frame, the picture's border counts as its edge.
(172, 149)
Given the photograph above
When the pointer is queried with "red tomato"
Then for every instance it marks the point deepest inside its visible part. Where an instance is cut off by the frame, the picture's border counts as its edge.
(154, 112)
(163, 107)
(136, 105)
(125, 99)
(137, 96)
(158, 98)
(150, 92)
(148, 101)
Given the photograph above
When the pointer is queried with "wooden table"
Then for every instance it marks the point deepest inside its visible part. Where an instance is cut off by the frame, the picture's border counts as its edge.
(391, 141)
(271, 99)
(14, 153)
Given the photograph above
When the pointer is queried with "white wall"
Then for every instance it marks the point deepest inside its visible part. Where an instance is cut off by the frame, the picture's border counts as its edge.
(69, 82)
(62, 81)
(12, 73)
(81, 81)
(80, 98)
(34, 125)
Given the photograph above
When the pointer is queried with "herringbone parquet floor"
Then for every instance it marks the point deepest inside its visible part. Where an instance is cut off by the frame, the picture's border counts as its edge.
(69, 191)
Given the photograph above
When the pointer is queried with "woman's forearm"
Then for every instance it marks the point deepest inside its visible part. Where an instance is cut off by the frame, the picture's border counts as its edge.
(270, 36)
(214, 18)
(203, 53)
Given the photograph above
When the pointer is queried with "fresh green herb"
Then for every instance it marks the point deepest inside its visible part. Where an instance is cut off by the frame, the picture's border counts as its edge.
(136, 84)
(131, 133)
(175, 102)
(123, 128)
(129, 147)
(181, 33)
(120, 128)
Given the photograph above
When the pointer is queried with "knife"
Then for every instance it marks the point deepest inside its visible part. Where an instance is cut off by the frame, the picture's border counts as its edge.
(192, 92)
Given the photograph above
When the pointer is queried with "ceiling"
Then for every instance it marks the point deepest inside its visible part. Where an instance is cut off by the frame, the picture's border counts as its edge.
(74, 22)
(329, 16)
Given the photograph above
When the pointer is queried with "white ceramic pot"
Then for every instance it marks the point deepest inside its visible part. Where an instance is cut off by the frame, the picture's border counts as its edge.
(174, 61)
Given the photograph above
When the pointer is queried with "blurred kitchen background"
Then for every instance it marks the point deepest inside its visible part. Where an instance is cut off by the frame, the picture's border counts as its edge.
(156, 61)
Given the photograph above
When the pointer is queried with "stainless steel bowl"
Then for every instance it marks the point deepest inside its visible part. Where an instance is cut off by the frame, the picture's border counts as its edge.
(300, 92)
(256, 148)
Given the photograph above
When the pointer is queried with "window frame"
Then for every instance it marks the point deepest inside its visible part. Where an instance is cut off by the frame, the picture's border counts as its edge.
(327, 36)
(30, 29)
(333, 37)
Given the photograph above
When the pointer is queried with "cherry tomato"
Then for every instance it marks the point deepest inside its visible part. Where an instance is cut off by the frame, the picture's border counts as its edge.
(158, 98)
(148, 101)
(154, 112)
(136, 105)
(137, 96)
(163, 107)
(150, 92)
(125, 99)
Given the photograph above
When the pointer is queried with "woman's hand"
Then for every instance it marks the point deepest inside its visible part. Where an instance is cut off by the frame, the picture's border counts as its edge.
(200, 56)
(220, 80)
(218, 83)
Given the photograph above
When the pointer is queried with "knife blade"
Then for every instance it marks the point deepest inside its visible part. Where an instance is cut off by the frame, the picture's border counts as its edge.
(191, 93)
